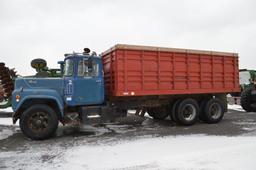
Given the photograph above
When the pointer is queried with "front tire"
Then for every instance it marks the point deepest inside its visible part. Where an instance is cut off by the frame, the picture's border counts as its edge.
(39, 122)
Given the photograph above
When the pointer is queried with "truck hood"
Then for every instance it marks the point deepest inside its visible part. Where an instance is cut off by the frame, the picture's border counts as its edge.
(40, 83)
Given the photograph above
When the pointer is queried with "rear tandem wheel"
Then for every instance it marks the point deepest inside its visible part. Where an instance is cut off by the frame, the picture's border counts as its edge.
(212, 111)
(187, 112)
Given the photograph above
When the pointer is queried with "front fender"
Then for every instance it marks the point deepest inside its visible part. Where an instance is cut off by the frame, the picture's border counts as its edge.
(37, 94)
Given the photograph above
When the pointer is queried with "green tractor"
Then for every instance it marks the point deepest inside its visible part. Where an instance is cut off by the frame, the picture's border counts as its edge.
(248, 89)
(8, 76)
(42, 70)
(247, 78)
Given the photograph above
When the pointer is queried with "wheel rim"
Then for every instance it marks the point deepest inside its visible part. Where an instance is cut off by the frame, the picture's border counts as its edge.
(215, 111)
(189, 112)
(38, 122)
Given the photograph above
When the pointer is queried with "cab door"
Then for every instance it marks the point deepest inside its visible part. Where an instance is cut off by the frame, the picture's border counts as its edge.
(88, 84)
(69, 75)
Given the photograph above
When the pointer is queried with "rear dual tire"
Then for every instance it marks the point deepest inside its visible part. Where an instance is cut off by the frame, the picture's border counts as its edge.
(212, 111)
(173, 110)
(185, 112)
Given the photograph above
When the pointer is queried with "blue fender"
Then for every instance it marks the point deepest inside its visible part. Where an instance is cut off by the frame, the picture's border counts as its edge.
(28, 94)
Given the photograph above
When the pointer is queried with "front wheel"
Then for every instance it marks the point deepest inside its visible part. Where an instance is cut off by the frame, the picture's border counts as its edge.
(39, 122)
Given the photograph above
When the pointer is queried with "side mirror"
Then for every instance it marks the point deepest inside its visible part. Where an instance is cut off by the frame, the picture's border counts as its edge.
(61, 63)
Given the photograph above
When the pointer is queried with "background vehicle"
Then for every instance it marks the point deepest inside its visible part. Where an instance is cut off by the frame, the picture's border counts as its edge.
(246, 79)
(183, 84)
(7, 77)
(248, 92)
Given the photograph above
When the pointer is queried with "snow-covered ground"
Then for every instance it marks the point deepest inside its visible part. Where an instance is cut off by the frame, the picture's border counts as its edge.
(6, 121)
(180, 152)
(183, 152)
(5, 133)
(235, 107)
(9, 109)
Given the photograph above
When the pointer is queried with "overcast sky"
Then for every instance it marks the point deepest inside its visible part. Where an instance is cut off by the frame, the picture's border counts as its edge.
(49, 28)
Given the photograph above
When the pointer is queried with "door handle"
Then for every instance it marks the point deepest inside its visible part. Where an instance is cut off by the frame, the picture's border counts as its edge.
(98, 81)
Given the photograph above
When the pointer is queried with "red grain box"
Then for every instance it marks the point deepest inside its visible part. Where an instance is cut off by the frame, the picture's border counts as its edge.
(131, 70)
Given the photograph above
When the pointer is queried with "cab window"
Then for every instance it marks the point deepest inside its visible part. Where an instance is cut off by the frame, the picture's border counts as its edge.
(244, 77)
(88, 68)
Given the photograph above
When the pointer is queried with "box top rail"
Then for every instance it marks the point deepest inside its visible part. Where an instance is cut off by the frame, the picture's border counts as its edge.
(166, 49)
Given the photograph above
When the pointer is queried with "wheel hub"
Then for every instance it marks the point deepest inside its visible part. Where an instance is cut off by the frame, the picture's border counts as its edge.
(189, 112)
(215, 111)
(38, 122)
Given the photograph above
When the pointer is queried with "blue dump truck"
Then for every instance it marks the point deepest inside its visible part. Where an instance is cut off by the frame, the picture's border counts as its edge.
(186, 85)
(41, 102)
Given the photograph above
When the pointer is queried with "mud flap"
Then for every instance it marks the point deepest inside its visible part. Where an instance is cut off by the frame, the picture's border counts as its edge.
(15, 117)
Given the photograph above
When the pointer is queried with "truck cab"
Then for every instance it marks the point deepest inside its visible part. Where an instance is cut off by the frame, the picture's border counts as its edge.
(41, 102)
(83, 81)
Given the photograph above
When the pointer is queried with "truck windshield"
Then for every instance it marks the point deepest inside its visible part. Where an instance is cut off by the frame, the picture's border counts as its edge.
(68, 68)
